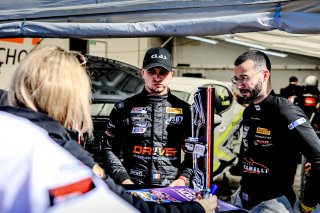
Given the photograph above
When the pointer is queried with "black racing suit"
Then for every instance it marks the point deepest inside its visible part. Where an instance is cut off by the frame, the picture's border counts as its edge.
(150, 131)
(275, 132)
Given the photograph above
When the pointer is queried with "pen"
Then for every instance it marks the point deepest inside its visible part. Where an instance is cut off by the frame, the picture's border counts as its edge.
(209, 192)
(213, 189)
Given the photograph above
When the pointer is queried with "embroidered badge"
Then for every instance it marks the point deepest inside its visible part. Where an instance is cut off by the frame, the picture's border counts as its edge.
(258, 108)
(245, 131)
(156, 176)
(263, 131)
(296, 123)
(138, 130)
(140, 124)
(174, 120)
(174, 110)
(139, 110)
(120, 105)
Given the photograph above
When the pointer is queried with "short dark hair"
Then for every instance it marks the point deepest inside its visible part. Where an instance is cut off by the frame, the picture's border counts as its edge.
(293, 79)
(256, 56)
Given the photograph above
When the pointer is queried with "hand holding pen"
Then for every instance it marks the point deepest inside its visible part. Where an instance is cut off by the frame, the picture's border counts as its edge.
(208, 200)
(209, 192)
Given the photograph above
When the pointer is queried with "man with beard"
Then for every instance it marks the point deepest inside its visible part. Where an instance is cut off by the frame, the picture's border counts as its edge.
(275, 132)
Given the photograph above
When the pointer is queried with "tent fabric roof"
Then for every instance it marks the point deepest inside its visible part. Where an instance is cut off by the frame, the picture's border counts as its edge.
(168, 18)
(303, 44)
(137, 18)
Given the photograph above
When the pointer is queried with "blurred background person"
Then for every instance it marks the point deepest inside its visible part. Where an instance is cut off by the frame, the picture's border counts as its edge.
(310, 97)
(311, 86)
(292, 91)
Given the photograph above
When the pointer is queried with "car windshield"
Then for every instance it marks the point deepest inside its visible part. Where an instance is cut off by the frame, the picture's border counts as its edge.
(101, 109)
(182, 95)
(112, 81)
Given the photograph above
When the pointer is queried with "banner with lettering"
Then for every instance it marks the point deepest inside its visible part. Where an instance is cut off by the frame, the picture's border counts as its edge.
(177, 194)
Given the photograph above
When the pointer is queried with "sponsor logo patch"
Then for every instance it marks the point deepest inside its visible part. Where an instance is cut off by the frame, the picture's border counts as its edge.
(174, 120)
(263, 137)
(250, 166)
(174, 110)
(263, 143)
(263, 131)
(120, 105)
(136, 172)
(296, 123)
(156, 176)
(140, 124)
(159, 56)
(258, 108)
(245, 131)
(139, 110)
(138, 130)
(138, 117)
(146, 150)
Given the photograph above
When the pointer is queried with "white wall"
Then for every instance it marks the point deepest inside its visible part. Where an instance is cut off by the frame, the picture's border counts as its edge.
(216, 62)
(128, 50)
(12, 51)
(213, 61)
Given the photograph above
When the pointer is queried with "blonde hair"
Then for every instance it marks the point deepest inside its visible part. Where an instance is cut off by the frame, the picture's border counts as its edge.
(52, 81)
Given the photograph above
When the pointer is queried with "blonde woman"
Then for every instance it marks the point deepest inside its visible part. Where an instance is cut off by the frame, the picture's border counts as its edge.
(52, 90)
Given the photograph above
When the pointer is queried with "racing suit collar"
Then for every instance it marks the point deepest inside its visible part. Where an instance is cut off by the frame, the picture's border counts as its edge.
(155, 98)
(266, 100)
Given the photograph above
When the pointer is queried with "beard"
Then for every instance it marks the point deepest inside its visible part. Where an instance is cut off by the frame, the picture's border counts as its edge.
(254, 93)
